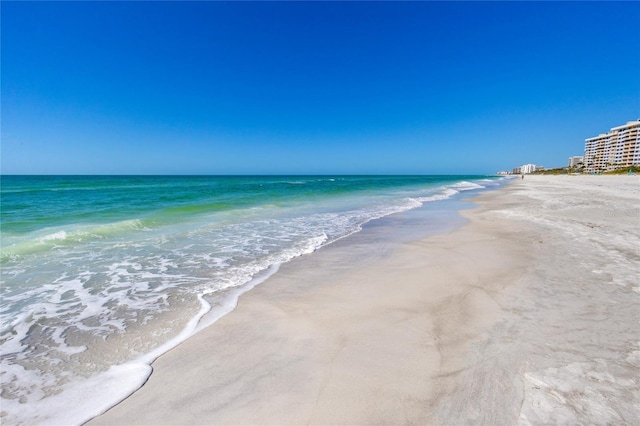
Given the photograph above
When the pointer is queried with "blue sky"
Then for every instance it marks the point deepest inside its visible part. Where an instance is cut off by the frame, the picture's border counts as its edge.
(318, 88)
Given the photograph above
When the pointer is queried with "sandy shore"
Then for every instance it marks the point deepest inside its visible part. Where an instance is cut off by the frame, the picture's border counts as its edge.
(529, 314)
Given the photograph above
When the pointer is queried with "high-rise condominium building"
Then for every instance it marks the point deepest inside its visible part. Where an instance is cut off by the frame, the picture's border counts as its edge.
(576, 160)
(618, 148)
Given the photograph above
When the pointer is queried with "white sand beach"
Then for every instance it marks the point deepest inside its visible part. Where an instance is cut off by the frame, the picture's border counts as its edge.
(528, 314)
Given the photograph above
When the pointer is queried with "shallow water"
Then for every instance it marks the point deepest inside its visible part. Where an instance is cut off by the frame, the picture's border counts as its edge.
(100, 275)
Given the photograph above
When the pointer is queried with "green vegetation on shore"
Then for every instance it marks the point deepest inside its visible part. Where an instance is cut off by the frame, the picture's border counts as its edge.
(579, 170)
(624, 171)
(558, 171)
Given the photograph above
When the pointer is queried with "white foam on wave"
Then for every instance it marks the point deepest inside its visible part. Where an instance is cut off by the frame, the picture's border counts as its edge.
(467, 186)
(444, 195)
(19, 328)
(48, 239)
(60, 235)
(447, 191)
(112, 386)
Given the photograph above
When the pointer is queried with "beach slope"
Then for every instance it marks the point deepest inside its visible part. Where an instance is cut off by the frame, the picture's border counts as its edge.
(528, 314)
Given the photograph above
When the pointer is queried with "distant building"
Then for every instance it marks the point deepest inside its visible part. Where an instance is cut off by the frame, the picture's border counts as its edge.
(618, 148)
(524, 169)
(575, 160)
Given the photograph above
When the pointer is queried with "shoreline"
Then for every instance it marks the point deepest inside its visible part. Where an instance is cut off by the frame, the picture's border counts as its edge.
(455, 328)
(192, 270)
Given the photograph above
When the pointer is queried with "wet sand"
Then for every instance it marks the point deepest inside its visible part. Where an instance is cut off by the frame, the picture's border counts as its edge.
(528, 314)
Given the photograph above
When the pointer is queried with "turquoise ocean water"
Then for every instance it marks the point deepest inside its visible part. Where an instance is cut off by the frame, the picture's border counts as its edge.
(100, 275)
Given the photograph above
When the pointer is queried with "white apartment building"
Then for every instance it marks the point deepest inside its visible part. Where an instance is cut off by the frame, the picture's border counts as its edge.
(618, 148)
(575, 160)
(527, 168)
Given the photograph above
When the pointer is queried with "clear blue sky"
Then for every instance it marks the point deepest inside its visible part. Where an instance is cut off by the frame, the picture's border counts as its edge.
(319, 88)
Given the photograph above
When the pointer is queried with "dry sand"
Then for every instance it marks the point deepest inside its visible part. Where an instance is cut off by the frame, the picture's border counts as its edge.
(528, 314)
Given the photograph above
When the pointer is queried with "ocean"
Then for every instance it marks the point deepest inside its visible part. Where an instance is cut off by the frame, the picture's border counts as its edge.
(102, 274)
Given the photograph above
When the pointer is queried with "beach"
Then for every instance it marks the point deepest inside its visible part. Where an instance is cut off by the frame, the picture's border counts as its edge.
(526, 314)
